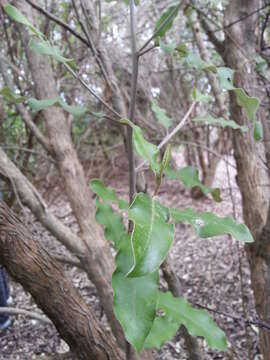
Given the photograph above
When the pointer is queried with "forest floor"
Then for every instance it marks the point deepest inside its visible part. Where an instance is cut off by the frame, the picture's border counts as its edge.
(214, 273)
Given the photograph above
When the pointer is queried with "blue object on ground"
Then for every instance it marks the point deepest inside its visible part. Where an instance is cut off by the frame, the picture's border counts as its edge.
(5, 325)
(5, 322)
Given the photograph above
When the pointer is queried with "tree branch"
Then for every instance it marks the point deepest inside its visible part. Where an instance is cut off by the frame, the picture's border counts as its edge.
(219, 45)
(58, 21)
(134, 80)
(92, 92)
(174, 131)
(31, 314)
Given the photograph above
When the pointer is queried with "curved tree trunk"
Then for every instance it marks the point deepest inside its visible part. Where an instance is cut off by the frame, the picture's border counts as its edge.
(97, 259)
(29, 263)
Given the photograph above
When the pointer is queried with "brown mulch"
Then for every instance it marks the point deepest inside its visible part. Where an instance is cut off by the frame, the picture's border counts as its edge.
(209, 270)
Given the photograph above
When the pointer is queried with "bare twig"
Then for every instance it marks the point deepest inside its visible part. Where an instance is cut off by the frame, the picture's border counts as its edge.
(10, 147)
(259, 323)
(92, 92)
(58, 21)
(33, 315)
(206, 148)
(221, 28)
(171, 134)
(68, 261)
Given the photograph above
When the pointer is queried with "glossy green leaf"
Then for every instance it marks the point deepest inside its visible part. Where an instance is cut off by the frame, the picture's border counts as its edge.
(161, 115)
(152, 235)
(257, 131)
(147, 151)
(106, 193)
(170, 14)
(124, 257)
(16, 15)
(177, 312)
(116, 232)
(210, 120)
(135, 305)
(195, 61)
(114, 228)
(44, 48)
(11, 97)
(190, 178)
(196, 95)
(208, 224)
(164, 329)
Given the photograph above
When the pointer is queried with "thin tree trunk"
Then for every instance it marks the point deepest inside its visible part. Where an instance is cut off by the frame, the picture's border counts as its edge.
(29, 263)
(240, 50)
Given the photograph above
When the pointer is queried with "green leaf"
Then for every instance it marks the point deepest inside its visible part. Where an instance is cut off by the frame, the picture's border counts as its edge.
(16, 15)
(44, 48)
(135, 305)
(182, 50)
(190, 178)
(177, 312)
(124, 257)
(38, 105)
(171, 13)
(208, 119)
(152, 235)
(166, 159)
(164, 329)
(167, 48)
(250, 104)
(160, 115)
(226, 78)
(11, 97)
(207, 224)
(106, 193)
(195, 61)
(261, 66)
(116, 232)
(76, 111)
(114, 228)
(257, 131)
(98, 114)
(147, 151)
(196, 95)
